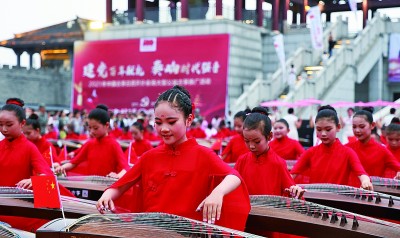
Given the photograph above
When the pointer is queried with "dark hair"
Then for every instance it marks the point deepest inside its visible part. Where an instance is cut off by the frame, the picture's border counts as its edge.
(138, 125)
(394, 126)
(33, 120)
(15, 105)
(327, 112)
(284, 122)
(258, 119)
(351, 109)
(100, 113)
(178, 97)
(290, 110)
(365, 112)
(240, 114)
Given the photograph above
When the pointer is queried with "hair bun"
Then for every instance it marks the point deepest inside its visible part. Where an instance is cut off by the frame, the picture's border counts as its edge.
(33, 116)
(368, 109)
(395, 120)
(327, 107)
(103, 107)
(260, 110)
(15, 101)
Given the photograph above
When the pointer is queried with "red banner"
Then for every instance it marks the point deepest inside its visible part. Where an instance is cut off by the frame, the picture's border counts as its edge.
(128, 75)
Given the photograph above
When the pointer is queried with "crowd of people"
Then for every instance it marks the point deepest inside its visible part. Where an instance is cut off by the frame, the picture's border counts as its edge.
(181, 177)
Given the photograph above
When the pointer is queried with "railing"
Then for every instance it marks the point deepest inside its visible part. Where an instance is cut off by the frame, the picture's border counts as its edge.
(342, 58)
(270, 87)
(197, 12)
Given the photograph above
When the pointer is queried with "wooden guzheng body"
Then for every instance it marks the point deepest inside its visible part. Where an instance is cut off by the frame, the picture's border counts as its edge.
(87, 187)
(144, 225)
(299, 217)
(19, 202)
(8, 232)
(352, 199)
(386, 185)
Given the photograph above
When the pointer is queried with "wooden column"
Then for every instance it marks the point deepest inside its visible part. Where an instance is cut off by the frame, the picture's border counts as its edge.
(238, 10)
(218, 9)
(139, 11)
(260, 13)
(365, 12)
(275, 15)
(328, 16)
(184, 10)
(109, 11)
(303, 13)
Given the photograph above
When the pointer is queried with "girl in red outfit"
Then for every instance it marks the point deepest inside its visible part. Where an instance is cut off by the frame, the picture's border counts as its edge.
(236, 146)
(393, 143)
(102, 153)
(374, 157)
(19, 158)
(330, 161)
(139, 146)
(284, 146)
(32, 132)
(178, 176)
(273, 177)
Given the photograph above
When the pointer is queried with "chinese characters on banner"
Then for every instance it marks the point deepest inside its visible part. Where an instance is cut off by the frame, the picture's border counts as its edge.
(128, 75)
(314, 19)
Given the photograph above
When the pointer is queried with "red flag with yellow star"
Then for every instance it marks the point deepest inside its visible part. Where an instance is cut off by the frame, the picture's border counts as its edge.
(45, 192)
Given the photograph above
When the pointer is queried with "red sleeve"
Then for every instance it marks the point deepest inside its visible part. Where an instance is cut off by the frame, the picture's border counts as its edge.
(303, 163)
(287, 180)
(82, 155)
(391, 161)
(227, 151)
(355, 164)
(131, 177)
(299, 149)
(120, 157)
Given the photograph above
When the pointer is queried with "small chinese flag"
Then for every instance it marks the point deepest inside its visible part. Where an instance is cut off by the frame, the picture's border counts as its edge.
(45, 192)
(217, 145)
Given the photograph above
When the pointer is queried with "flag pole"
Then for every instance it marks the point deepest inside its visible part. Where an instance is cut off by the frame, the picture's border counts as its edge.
(58, 188)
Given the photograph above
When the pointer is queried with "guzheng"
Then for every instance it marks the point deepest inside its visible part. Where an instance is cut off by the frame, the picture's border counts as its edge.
(7, 231)
(353, 199)
(386, 185)
(19, 202)
(87, 187)
(299, 217)
(144, 225)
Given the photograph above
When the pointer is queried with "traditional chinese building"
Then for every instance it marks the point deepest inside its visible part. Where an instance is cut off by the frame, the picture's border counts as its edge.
(54, 43)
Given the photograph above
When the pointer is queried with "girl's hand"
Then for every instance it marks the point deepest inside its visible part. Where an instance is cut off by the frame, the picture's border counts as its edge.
(113, 175)
(212, 207)
(106, 203)
(59, 170)
(397, 175)
(295, 191)
(366, 182)
(25, 183)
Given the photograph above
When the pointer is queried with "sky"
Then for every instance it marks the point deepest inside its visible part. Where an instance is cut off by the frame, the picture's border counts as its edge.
(18, 16)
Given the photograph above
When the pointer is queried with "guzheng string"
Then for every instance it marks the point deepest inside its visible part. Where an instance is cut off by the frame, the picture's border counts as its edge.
(14, 192)
(393, 183)
(346, 190)
(6, 232)
(91, 178)
(305, 207)
(157, 221)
